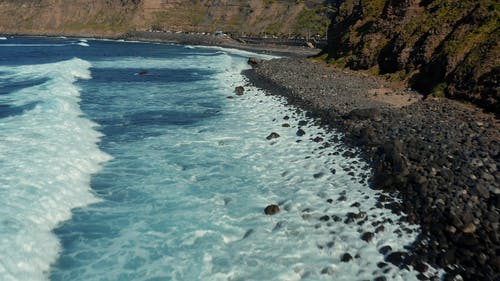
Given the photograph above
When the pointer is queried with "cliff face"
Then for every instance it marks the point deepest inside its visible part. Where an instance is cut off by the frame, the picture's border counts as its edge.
(440, 47)
(108, 17)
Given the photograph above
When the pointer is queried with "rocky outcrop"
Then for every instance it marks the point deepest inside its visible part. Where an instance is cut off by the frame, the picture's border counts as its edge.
(440, 47)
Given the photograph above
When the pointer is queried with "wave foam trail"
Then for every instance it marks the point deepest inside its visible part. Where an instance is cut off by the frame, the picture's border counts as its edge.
(48, 154)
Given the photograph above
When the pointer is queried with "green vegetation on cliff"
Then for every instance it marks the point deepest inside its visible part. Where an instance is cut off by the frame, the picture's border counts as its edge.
(440, 47)
(243, 17)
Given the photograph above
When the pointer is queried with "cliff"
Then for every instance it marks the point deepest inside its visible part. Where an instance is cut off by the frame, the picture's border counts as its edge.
(113, 17)
(439, 47)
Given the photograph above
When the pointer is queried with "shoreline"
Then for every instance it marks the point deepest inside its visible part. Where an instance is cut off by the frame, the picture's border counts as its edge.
(190, 39)
(414, 154)
(438, 156)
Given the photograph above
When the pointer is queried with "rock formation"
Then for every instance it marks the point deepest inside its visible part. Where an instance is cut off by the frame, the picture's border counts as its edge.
(440, 47)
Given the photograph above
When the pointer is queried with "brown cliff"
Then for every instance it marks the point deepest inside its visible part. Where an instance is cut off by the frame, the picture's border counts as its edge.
(440, 47)
(113, 17)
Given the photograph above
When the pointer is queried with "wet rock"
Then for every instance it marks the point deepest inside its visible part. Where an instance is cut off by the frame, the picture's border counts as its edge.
(336, 218)
(302, 122)
(253, 61)
(285, 125)
(318, 139)
(273, 135)
(396, 258)
(421, 267)
(385, 250)
(367, 236)
(324, 218)
(380, 278)
(380, 228)
(355, 204)
(470, 228)
(271, 209)
(239, 90)
(300, 132)
(318, 175)
(346, 257)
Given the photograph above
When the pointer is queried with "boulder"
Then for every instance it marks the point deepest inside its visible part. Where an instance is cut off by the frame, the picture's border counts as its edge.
(346, 257)
(272, 209)
(239, 90)
(253, 61)
(273, 135)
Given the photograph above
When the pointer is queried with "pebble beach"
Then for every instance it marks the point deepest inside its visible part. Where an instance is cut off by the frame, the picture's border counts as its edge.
(440, 157)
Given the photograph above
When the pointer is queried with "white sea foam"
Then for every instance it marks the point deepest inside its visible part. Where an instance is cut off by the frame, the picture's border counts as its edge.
(48, 154)
(83, 44)
(205, 187)
(3, 38)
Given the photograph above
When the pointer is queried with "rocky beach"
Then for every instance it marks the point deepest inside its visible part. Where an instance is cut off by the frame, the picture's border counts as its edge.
(439, 156)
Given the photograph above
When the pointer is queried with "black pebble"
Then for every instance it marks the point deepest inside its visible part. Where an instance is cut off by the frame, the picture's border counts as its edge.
(273, 135)
(367, 236)
(385, 250)
(346, 257)
(300, 132)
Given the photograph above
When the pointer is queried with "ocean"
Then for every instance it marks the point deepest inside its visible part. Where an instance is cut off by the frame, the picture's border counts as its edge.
(137, 161)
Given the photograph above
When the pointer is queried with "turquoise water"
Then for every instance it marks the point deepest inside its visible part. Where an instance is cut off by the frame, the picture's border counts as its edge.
(127, 161)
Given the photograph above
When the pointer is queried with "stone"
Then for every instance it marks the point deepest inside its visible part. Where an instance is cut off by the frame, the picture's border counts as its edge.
(239, 90)
(300, 132)
(385, 250)
(381, 264)
(396, 258)
(470, 228)
(367, 236)
(318, 139)
(253, 61)
(380, 228)
(273, 135)
(324, 218)
(346, 257)
(285, 125)
(421, 267)
(318, 175)
(272, 209)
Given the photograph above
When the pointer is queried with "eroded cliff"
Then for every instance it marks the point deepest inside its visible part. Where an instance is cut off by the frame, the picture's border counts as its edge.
(110, 17)
(440, 47)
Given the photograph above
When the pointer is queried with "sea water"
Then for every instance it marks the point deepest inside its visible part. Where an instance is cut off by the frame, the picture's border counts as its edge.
(128, 161)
